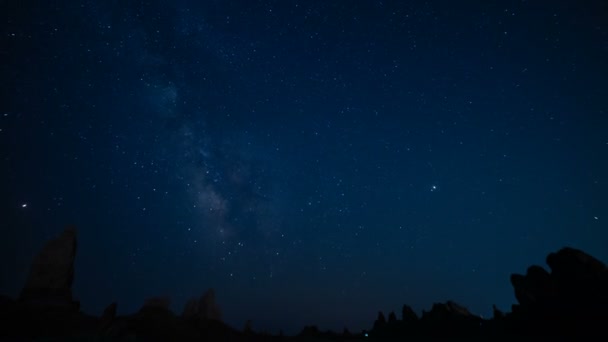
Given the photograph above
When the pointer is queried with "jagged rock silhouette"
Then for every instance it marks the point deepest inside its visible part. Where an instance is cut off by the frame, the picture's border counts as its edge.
(408, 315)
(51, 275)
(570, 300)
(203, 308)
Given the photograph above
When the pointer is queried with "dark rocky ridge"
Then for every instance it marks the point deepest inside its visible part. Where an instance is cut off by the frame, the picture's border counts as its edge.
(570, 302)
(49, 282)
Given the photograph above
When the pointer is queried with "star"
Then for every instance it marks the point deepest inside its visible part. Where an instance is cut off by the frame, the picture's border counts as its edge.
(24, 205)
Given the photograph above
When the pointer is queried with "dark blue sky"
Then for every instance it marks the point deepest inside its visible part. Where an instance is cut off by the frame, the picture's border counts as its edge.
(313, 161)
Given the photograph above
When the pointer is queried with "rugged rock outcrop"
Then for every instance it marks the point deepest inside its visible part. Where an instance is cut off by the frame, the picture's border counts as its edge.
(449, 319)
(534, 288)
(108, 317)
(571, 300)
(204, 308)
(579, 278)
(380, 322)
(408, 316)
(448, 310)
(49, 283)
(208, 308)
(496, 313)
(392, 318)
(46, 310)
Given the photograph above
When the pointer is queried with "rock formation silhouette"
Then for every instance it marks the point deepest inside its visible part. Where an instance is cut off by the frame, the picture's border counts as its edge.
(380, 322)
(49, 283)
(203, 308)
(107, 317)
(571, 300)
(408, 315)
(208, 308)
(568, 302)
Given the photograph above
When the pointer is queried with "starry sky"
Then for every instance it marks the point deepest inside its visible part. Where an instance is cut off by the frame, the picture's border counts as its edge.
(312, 161)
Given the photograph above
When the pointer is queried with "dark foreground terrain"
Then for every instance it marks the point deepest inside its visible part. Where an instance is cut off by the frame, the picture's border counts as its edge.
(568, 303)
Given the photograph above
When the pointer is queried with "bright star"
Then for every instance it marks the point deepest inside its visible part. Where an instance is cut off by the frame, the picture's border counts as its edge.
(24, 205)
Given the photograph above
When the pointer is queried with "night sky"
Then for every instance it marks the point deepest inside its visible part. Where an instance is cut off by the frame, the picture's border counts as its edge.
(312, 161)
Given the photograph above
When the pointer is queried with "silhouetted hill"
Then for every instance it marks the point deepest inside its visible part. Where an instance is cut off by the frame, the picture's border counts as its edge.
(568, 303)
